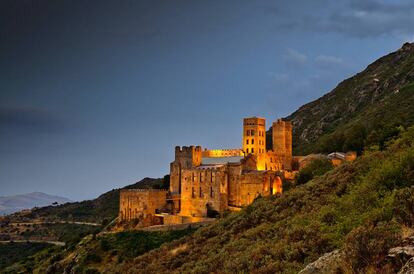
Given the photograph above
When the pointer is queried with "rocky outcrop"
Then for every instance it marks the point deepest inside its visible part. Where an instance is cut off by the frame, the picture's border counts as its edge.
(408, 268)
(328, 263)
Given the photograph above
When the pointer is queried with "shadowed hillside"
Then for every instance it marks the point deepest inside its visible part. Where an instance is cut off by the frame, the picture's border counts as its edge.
(362, 208)
(364, 110)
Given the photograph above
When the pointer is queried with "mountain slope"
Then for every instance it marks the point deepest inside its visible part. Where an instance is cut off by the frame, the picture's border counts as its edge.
(105, 207)
(361, 208)
(10, 204)
(361, 111)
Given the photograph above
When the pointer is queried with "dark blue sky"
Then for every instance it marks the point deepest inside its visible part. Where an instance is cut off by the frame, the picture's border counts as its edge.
(94, 95)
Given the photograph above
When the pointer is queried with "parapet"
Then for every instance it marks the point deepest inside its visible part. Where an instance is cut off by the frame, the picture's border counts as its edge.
(280, 121)
(187, 149)
(252, 121)
(144, 190)
(222, 152)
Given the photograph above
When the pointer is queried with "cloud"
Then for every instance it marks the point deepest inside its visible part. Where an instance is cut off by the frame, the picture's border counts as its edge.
(295, 58)
(326, 59)
(330, 62)
(28, 118)
(354, 18)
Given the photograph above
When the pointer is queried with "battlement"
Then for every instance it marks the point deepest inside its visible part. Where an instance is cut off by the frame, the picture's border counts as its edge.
(222, 152)
(143, 190)
(254, 121)
(280, 121)
(187, 149)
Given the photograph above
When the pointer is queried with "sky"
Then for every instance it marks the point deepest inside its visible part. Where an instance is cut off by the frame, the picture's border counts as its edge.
(95, 95)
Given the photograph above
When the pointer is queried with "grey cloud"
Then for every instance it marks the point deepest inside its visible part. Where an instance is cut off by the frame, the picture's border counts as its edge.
(355, 18)
(295, 58)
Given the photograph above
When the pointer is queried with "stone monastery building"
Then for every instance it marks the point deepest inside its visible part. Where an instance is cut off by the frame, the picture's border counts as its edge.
(204, 183)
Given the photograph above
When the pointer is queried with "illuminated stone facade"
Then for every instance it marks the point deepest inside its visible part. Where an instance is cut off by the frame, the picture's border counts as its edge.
(141, 203)
(208, 182)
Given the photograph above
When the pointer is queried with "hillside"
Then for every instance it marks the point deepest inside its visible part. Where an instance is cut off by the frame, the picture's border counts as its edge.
(362, 208)
(363, 110)
(102, 209)
(10, 204)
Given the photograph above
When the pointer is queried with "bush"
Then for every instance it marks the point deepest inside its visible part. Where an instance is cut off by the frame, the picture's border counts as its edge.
(316, 167)
(367, 247)
(93, 258)
(403, 206)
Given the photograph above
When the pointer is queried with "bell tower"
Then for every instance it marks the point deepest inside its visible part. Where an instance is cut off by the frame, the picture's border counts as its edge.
(254, 135)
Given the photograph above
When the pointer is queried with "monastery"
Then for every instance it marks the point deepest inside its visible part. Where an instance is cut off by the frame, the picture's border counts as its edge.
(206, 183)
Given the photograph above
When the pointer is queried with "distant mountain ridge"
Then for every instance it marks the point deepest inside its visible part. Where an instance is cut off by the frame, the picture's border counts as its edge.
(361, 111)
(14, 203)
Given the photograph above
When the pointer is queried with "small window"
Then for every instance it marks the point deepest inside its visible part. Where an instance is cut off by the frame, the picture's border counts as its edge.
(252, 150)
(248, 133)
(247, 141)
(252, 132)
(201, 192)
(211, 192)
(193, 177)
(192, 192)
(247, 150)
(252, 141)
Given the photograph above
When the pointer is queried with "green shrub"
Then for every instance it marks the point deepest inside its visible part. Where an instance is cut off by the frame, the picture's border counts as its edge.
(316, 167)
(403, 206)
(367, 247)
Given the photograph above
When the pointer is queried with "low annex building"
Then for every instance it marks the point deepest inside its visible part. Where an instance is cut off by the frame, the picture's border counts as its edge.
(204, 183)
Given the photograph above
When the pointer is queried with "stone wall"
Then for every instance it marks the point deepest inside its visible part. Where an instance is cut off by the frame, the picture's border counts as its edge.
(251, 184)
(140, 203)
(201, 188)
(222, 152)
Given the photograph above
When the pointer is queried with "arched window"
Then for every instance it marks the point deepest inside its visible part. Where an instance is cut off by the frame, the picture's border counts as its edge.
(247, 150)
(247, 141)
(252, 141)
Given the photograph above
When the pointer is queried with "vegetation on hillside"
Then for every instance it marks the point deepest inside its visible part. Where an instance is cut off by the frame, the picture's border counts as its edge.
(361, 207)
(316, 167)
(364, 110)
(101, 210)
(96, 252)
(14, 252)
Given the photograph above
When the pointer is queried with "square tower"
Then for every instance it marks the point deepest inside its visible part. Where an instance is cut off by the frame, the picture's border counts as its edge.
(254, 135)
(282, 141)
